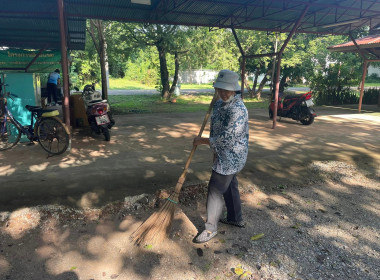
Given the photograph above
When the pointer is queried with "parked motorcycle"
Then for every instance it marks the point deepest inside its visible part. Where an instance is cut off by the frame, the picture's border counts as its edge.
(297, 106)
(98, 111)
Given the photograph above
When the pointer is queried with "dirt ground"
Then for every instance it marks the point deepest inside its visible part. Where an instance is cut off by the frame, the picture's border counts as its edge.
(311, 192)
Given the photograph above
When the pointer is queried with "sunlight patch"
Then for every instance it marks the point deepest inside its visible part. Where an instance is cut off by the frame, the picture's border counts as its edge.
(339, 235)
(7, 170)
(336, 170)
(149, 174)
(21, 221)
(4, 266)
(39, 167)
(150, 159)
(173, 161)
(89, 199)
(74, 162)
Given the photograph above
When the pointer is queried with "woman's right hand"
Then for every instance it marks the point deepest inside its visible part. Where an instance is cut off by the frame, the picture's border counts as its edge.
(200, 141)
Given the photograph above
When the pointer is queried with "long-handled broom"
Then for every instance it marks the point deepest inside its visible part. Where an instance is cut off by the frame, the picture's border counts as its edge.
(157, 226)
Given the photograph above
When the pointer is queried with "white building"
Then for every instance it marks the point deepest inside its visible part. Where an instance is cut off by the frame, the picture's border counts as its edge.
(197, 76)
(373, 70)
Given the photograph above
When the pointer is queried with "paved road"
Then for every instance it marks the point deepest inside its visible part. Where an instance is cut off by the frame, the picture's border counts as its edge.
(153, 91)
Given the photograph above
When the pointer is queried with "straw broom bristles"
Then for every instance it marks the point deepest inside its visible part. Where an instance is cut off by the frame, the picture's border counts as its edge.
(156, 228)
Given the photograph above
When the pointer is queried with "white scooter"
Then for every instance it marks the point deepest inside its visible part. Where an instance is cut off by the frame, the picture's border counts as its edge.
(98, 111)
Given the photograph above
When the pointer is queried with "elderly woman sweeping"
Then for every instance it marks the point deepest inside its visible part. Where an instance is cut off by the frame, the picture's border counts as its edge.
(229, 142)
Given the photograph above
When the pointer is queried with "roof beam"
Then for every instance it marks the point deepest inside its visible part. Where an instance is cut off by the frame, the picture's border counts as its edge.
(279, 57)
(34, 59)
(325, 5)
(357, 46)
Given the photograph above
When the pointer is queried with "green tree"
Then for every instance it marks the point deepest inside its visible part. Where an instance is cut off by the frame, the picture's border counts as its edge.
(119, 48)
(253, 43)
(211, 49)
(143, 66)
(85, 67)
(96, 28)
(167, 39)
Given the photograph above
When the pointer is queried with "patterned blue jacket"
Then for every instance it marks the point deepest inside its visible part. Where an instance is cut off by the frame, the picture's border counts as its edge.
(229, 136)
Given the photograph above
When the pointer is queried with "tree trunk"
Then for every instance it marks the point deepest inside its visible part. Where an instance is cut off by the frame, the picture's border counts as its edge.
(176, 70)
(165, 93)
(103, 59)
(101, 48)
(103, 73)
(262, 83)
(246, 82)
(257, 72)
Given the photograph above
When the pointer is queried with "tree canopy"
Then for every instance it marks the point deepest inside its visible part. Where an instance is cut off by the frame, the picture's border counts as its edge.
(154, 54)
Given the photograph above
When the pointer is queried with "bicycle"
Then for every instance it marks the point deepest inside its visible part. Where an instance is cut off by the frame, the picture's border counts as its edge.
(45, 128)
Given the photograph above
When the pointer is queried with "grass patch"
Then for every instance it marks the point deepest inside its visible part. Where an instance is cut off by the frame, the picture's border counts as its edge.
(298, 85)
(371, 85)
(130, 104)
(122, 83)
(196, 86)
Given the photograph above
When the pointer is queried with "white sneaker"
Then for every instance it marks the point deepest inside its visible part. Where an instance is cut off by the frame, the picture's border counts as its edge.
(205, 236)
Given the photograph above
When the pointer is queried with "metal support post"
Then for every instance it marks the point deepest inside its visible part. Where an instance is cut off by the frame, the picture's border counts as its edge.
(279, 63)
(365, 65)
(65, 72)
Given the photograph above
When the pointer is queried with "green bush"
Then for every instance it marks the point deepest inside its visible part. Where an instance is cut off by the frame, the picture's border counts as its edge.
(371, 96)
(332, 87)
(373, 78)
(336, 96)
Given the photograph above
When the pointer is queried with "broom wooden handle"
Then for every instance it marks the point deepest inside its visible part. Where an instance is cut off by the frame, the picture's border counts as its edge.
(182, 178)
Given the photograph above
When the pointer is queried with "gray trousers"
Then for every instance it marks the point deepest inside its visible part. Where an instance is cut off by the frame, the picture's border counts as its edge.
(219, 187)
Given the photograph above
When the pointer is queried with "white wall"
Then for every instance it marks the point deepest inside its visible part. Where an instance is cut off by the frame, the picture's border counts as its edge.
(197, 76)
(372, 70)
(206, 76)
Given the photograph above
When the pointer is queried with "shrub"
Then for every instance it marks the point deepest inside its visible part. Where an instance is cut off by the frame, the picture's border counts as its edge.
(373, 78)
(371, 96)
(336, 96)
(332, 87)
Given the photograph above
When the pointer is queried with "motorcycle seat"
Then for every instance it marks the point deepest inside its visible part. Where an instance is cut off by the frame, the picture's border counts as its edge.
(292, 96)
(41, 111)
(97, 101)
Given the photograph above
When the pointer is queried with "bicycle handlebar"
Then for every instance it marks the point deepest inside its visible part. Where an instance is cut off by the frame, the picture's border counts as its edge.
(9, 95)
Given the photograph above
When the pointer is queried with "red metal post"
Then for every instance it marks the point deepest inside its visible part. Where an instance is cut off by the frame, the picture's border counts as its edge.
(279, 64)
(65, 67)
(242, 76)
(365, 64)
(242, 61)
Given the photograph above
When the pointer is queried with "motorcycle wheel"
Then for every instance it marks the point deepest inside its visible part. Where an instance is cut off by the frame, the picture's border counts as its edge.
(307, 121)
(106, 133)
(270, 114)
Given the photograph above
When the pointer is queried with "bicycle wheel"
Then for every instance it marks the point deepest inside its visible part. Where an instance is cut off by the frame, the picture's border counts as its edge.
(52, 136)
(9, 135)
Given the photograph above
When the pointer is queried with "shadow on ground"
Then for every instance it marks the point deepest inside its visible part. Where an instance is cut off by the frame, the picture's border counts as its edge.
(312, 190)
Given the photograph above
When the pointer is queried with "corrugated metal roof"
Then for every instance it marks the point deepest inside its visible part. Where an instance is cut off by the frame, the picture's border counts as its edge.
(323, 16)
(34, 24)
(369, 46)
(365, 42)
